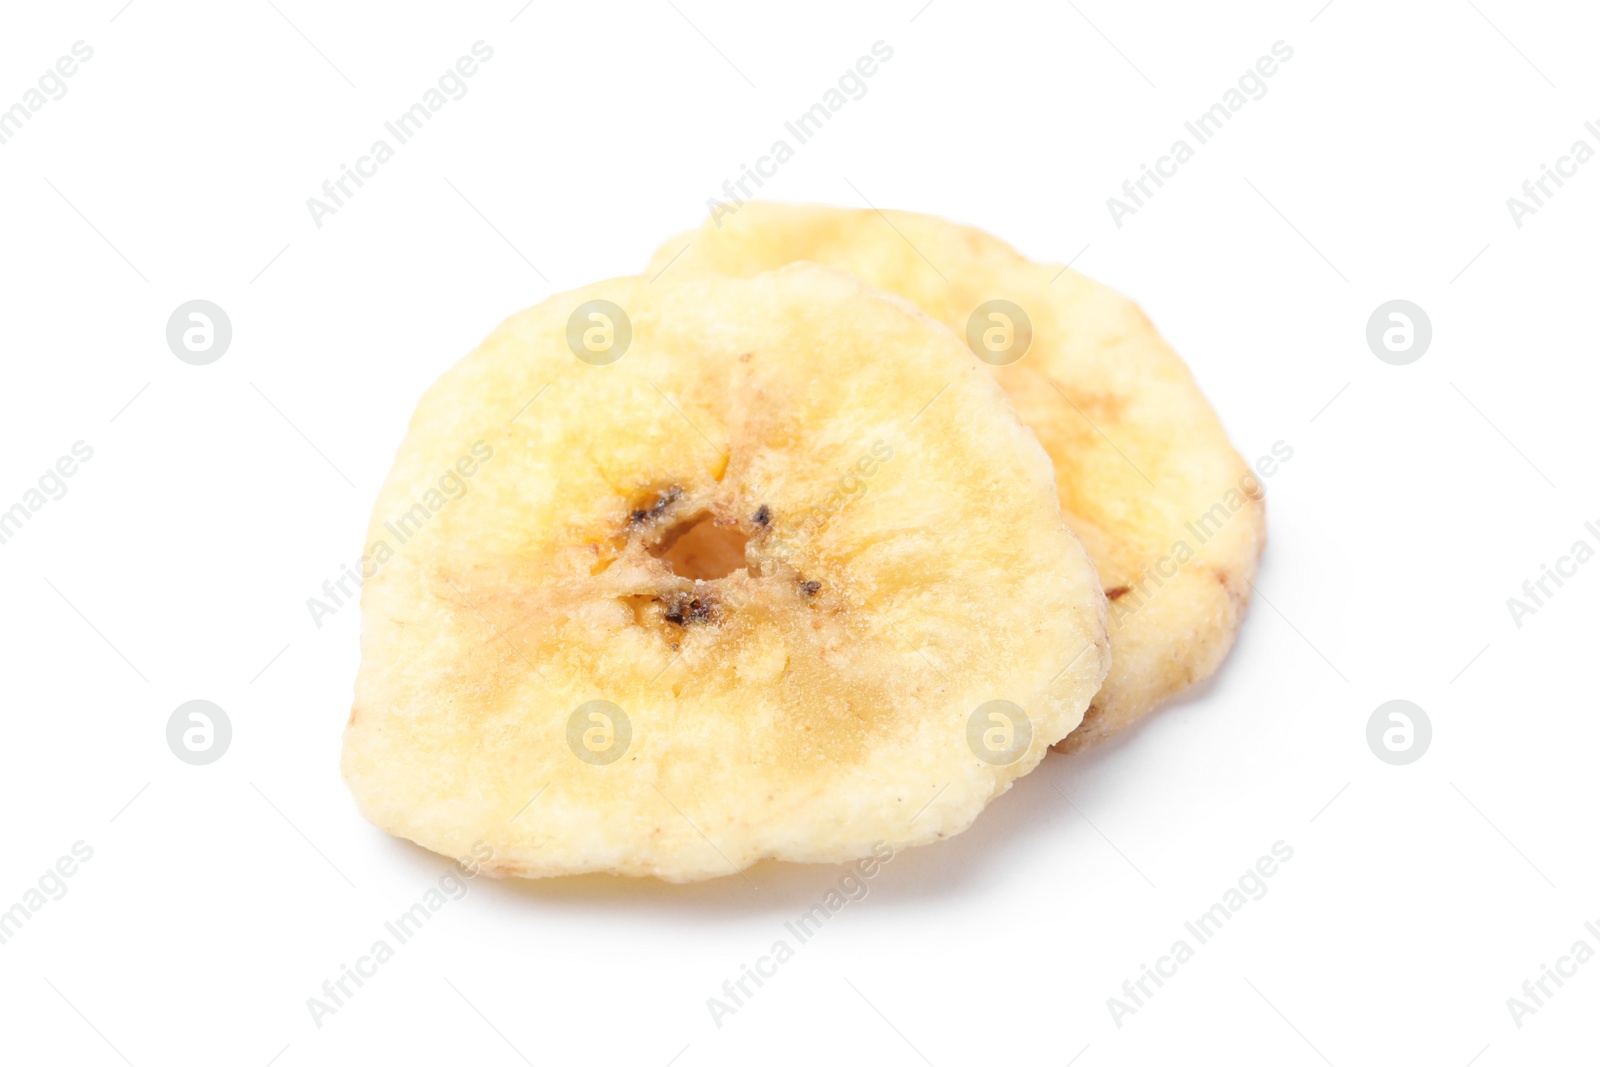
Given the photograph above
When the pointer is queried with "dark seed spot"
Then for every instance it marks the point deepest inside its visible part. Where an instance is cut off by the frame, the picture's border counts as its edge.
(684, 609)
(664, 500)
(1112, 594)
(762, 516)
(810, 588)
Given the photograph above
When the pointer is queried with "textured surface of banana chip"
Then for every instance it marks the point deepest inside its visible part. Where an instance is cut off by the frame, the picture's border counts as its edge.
(1172, 517)
(678, 576)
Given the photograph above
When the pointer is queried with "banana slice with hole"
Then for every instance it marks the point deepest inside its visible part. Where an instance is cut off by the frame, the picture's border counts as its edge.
(1172, 516)
(681, 575)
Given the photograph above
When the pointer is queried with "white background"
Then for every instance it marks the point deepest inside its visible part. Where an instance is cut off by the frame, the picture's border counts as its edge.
(219, 498)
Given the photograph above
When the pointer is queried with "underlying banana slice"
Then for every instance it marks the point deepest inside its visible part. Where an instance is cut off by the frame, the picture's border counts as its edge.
(1172, 517)
(737, 569)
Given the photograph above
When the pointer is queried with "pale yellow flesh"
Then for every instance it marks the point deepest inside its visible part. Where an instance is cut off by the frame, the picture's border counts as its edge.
(802, 722)
(1143, 465)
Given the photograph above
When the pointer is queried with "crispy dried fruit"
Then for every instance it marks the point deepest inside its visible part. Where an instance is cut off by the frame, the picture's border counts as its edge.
(739, 591)
(1172, 517)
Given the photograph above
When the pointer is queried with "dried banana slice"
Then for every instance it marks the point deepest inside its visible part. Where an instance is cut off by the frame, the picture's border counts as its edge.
(1172, 517)
(687, 574)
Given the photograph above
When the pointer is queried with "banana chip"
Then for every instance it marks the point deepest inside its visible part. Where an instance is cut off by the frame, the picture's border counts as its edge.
(1172, 517)
(672, 577)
